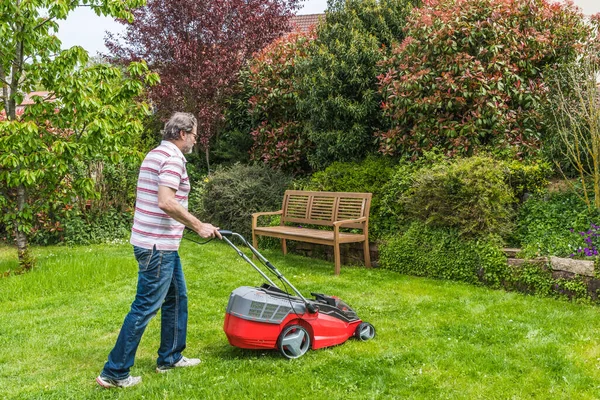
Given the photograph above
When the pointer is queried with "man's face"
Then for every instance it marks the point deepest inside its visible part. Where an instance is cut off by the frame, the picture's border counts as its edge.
(189, 141)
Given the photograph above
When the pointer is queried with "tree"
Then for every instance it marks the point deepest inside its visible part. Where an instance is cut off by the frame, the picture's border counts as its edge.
(574, 104)
(339, 77)
(470, 74)
(313, 97)
(198, 48)
(90, 112)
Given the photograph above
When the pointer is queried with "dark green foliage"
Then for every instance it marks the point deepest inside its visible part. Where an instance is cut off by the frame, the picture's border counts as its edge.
(442, 253)
(544, 224)
(469, 195)
(338, 79)
(232, 143)
(233, 193)
(368, 176)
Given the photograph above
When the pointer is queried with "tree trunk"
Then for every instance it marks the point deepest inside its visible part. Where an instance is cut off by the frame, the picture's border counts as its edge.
(25, 259)
(207, 153)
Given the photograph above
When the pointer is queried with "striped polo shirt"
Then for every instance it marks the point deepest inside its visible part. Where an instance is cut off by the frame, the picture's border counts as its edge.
(163, 166)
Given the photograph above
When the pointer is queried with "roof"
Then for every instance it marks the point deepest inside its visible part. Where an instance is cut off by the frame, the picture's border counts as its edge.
(28, 99)
(303, 23)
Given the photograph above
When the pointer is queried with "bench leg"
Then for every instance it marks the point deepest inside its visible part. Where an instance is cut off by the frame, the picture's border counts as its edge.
(336, 257)
(254, 244)
(284, 246)
(367, 254)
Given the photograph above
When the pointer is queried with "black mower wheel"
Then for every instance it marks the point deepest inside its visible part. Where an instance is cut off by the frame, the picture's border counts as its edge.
(364, 331)
(294, 341)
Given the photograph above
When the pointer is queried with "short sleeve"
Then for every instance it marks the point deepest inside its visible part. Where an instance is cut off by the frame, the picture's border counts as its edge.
(171, 172)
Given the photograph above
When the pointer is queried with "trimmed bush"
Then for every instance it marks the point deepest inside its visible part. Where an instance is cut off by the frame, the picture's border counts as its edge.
(232, 194)
(469, 195)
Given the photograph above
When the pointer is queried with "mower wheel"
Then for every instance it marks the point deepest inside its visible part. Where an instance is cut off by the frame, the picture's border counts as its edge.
(294, 341)
(364, 331)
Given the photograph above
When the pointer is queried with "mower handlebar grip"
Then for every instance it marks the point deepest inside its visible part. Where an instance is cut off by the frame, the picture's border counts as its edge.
(225, 233)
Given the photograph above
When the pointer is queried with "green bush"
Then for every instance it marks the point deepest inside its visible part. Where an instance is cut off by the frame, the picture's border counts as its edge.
(551, 225)
(469, 195)
(369, 176)
(442, 253)
(527, 178)
(392, 214)
(233, 194)
(83, 228)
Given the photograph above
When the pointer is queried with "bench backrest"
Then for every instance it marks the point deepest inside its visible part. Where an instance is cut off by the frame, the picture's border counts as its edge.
(324, 208)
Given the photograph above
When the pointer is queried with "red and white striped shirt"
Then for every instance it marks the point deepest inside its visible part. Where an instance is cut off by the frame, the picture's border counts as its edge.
(163, 166)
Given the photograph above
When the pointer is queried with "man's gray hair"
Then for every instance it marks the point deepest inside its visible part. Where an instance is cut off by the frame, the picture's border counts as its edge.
(180, 121)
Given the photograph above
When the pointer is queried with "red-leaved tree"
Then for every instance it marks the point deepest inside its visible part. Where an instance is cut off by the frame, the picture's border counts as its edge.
(470, 74)
(198, 48)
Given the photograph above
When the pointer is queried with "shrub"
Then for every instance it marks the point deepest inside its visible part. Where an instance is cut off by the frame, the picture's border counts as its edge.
(392, 214)
(83, 228)
(469, 195)
(271, 85)
(233, 193)
(469, 74)
(369, 175)
(527, 178)
(442, 253)
(551, 225)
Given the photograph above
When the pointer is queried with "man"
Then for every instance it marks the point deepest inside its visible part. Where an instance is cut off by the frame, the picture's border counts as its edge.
(160, 217)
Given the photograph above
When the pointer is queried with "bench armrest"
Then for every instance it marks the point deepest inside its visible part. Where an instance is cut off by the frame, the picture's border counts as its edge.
(258, 214)
(349, 221)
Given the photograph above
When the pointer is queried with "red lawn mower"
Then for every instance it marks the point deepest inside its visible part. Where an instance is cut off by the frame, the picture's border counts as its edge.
(268, 317)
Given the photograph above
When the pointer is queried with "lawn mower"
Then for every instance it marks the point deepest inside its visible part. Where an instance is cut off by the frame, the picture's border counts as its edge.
(268, 317)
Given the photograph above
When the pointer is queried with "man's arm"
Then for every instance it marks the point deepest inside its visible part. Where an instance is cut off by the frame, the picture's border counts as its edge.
(169, 204)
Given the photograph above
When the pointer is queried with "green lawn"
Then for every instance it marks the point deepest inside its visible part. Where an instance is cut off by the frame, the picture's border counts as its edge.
(435, 339)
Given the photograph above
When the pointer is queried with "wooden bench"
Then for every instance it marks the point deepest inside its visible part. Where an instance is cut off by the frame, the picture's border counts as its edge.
(336, 209)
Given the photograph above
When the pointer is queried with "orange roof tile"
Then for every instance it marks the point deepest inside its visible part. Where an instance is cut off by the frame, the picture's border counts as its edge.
(303, 23)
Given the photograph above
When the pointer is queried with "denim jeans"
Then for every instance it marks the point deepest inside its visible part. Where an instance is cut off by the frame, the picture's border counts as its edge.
(160, 285)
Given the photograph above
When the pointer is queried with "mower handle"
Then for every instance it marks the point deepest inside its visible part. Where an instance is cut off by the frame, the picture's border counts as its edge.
(225, 234)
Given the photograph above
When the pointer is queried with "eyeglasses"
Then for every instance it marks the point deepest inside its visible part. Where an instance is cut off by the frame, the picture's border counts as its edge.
(193, 134)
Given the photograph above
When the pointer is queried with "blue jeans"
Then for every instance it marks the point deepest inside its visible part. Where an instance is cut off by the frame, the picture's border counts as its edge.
(160, 285)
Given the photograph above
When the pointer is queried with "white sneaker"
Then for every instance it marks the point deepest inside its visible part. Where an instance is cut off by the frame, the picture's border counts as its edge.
(111, 383)
(182, 363)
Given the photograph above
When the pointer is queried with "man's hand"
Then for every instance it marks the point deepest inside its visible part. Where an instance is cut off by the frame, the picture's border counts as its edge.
(207, 230)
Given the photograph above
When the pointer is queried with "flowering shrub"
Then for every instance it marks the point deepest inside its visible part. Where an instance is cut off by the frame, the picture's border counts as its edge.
(469, 74)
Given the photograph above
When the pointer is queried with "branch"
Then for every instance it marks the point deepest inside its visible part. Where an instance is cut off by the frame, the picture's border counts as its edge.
(74, 2)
